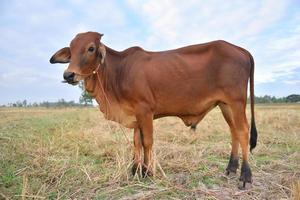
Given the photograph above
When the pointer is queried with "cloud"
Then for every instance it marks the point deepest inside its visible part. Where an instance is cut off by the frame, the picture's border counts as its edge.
(265, 28)
(174, 21)
(279, 54)
(32, 31)
(293, 82)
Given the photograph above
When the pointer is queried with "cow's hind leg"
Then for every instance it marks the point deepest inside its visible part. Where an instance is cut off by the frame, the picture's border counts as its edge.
(242, 130)
(234, 158)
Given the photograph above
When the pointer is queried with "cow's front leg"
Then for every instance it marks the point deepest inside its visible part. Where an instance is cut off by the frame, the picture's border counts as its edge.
(145, 121)
(137, 157)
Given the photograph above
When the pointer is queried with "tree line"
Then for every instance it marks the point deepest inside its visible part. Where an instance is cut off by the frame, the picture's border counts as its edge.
(47, 104)
(293, 98)
(86, 100)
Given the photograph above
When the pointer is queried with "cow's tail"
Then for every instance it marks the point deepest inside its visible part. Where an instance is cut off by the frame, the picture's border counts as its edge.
(253, 131)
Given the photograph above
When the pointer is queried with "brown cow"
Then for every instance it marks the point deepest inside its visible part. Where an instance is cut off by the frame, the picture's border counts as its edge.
(135, 86)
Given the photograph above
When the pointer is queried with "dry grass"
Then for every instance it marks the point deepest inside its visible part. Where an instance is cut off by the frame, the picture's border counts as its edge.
(75, 153)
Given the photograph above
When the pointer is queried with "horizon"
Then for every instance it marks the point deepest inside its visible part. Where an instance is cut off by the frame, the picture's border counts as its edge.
(31, 32)
(95, 103)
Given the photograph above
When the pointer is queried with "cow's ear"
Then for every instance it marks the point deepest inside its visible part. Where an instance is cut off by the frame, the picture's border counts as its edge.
(61, 56)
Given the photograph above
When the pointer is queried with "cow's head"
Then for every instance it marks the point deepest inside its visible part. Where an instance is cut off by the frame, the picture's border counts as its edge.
(84, 55)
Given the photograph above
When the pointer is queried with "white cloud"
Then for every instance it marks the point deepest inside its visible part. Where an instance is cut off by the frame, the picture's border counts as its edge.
(174, 21)
(269, 12)
(293, 82)
(32, 31)
(278, 56)
(248, 24)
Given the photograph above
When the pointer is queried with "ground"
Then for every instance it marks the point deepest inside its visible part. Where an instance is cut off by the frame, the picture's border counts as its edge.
(75, 154)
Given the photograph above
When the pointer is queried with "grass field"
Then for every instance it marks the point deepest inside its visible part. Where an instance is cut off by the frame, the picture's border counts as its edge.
(76, 154)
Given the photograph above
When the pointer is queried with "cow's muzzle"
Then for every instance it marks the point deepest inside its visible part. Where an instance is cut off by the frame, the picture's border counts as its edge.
(70, 78)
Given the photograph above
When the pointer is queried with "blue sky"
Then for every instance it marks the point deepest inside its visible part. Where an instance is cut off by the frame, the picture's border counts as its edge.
(31, 31)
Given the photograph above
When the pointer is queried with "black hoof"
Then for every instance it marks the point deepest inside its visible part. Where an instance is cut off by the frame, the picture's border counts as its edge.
(232, 165)
(141, 171)
(230, 174)
(146, 172)
(246, 177)
(135, 170)
(244, 185)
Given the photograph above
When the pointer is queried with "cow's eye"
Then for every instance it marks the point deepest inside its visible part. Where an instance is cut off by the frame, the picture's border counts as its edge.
(91, 49)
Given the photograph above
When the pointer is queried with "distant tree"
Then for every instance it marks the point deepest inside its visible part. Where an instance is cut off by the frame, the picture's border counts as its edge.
(62, 103)
(46, 104)
(19, 104)
(71, 103)
(293, 98)
(85, 97)
(24, 103)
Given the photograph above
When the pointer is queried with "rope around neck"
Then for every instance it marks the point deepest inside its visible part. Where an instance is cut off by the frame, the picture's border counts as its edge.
(95, 71)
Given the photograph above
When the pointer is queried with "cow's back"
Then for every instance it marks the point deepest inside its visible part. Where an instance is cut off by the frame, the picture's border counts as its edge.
(190, 79)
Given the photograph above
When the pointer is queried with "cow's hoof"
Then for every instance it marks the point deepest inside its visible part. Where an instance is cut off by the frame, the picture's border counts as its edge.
(232, 166)
(245, 180)
(146, 172)
(230, 174)
(135, 170)
(246, 177)
(244, 185)
(141, 171)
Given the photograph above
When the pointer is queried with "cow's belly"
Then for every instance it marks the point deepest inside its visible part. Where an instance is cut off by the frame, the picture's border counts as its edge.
(186, 106)
(190, 115)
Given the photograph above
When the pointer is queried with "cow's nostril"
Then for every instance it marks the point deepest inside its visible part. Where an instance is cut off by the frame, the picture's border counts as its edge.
(69, 76)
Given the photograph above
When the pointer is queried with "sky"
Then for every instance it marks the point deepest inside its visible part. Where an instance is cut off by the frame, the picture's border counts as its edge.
(32, 31)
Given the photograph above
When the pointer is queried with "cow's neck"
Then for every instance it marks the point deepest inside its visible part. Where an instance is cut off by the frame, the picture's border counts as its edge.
(103, 87)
